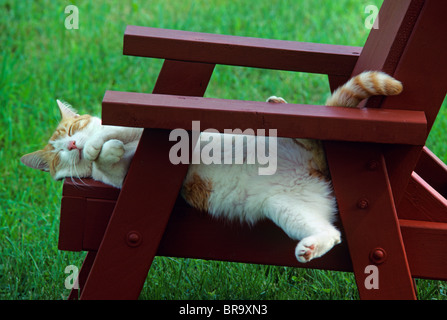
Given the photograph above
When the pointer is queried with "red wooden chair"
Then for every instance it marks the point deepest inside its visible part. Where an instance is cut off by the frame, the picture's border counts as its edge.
(390, 188)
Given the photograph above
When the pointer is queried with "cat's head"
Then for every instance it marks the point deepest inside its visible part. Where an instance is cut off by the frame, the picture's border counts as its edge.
(63, 156)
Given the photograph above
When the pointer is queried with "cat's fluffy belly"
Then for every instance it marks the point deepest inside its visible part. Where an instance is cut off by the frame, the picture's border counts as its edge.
(295, 198)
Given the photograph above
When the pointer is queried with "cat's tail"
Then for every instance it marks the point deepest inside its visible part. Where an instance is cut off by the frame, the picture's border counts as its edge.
(362, 86)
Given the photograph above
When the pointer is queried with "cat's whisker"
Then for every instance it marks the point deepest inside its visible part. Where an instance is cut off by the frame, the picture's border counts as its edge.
(77, 175)
(71, 177)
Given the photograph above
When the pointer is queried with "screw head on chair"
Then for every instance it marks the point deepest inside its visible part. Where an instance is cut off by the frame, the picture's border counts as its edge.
(133, 238)
(378, 255)
(363, 203)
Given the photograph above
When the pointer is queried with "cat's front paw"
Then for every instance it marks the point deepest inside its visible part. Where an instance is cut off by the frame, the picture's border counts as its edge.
(112, 152)
(92, 149)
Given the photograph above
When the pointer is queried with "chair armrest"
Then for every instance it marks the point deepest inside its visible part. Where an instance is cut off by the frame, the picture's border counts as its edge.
(291, 120)
(240, 51)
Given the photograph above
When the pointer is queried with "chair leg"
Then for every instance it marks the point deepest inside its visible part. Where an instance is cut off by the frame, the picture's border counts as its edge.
(146, 200)
(138, 221)
(370, 222)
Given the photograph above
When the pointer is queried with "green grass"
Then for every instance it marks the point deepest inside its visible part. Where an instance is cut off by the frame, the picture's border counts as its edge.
(41, 61)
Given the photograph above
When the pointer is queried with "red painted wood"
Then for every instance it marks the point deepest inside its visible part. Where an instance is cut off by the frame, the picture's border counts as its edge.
(73, 213)
(291, 120)
(193, 80)
(143, 209)
(89, 188)
(421, 68)
(369, 218)
(240, 51)
(422, 202)
(98, 210)
(429, 240)
(433, 170)
(193, 234)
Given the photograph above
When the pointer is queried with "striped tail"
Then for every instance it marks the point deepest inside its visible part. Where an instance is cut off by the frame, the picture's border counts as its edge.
(362, 86)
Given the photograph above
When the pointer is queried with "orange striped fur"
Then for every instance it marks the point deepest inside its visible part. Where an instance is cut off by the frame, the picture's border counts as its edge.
(365, 85)
(197, 191)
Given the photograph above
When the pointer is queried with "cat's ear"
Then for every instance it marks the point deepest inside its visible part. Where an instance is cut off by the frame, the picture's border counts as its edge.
(35, 160)
(66, 110)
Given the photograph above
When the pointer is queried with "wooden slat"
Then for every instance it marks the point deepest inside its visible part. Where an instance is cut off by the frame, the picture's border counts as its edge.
(98, 210)
(433, 171)
(422, 202)
(240, 51)
(426, 244)
(194, 234)
(72, 221)
(184, 79)
(188, 230)
(89, 188)
(291, 120)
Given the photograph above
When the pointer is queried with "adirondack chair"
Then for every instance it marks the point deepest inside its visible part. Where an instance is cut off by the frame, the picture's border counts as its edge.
(390, 188)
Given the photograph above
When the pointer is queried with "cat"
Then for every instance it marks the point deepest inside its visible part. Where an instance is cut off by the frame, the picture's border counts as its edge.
(298, 197)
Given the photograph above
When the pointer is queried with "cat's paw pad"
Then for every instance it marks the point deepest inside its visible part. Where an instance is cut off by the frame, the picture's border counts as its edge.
(306, 249)
(112, 151)
(316, 245)
(92, 149)
(275, 99)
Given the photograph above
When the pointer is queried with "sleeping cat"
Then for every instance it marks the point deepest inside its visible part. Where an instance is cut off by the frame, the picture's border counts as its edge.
(298, 197)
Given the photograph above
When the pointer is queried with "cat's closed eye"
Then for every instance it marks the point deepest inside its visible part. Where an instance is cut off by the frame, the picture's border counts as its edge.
(71, 130)
(80, 123)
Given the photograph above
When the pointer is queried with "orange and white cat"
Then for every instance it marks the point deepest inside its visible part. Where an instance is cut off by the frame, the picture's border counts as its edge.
(298, 197)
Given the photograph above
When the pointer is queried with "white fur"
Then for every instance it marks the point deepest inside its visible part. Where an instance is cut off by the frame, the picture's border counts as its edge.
(302, 205)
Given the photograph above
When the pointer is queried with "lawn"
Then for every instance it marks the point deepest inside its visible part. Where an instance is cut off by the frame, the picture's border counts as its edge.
(41, 60)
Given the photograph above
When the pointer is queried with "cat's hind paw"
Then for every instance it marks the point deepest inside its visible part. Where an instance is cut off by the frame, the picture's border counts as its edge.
(275, 99)
(306, 249)
(316, 246)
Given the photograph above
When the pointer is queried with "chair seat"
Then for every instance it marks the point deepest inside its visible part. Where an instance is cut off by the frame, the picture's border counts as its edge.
(194, 234)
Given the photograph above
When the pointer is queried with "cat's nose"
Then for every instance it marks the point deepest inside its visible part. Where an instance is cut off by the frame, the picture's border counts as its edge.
(72, 145)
